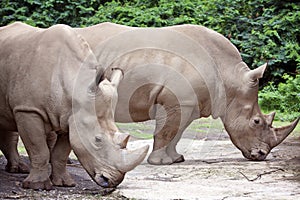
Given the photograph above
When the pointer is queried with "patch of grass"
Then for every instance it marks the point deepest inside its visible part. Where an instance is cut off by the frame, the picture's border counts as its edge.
(203, 124)
(21, 149)
(141, 135)
(141, 130)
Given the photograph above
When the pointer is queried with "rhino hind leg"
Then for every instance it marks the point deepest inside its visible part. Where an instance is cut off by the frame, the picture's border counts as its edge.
(59, 158)
(170, 123)
(32, 131)
(8, 145)
(171, 148)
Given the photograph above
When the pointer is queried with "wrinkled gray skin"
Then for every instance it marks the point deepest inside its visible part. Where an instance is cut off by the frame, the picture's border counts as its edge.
(48, 85)
(177, 74)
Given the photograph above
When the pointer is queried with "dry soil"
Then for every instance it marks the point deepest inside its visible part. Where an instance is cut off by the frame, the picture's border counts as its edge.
(214, 169)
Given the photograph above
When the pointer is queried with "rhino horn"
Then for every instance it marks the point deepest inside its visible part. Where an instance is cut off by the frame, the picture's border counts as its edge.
(121, 139)
(257, 73)
(282, 132)
(131, 158)
(269, 118)
(116, 76)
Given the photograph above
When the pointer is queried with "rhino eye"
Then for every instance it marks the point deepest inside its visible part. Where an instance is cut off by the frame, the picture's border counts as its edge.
(98, 139)
(256, 121)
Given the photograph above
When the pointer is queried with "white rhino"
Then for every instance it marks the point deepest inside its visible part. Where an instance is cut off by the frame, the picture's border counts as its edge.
(180, 73)
(48, 84)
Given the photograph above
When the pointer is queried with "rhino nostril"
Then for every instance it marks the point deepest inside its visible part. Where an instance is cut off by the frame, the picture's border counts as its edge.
(103, 181)
(262, 152)
(253, 155)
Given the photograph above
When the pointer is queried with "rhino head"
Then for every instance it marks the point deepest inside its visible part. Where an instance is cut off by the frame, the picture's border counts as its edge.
(94, 137)
(250, 130)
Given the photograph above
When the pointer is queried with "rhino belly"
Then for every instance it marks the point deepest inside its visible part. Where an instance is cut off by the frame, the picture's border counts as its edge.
(135, 104)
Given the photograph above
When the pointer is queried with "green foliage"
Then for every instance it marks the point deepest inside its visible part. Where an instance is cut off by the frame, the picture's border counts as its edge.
(46, 13)
(262, 30)
(284, 98)
(145, 13)
(271, 34)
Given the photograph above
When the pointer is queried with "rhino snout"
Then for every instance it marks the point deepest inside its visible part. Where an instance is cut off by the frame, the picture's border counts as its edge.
(103, 181)
(258, 154)
(108, 181)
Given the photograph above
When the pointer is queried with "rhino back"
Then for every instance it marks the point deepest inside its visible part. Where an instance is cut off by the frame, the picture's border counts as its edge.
(224, 53)
(96, 34)
(219, 47)
(201, 55)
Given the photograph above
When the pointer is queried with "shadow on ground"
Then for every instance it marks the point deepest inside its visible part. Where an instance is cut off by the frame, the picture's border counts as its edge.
(11, 186)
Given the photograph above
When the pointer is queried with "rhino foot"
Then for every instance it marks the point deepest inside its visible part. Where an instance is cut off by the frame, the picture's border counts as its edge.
(179, 159)
(38, 179)
(22, 168)
(161, 157)
(37, 185)
(63, 180)
(176, 157)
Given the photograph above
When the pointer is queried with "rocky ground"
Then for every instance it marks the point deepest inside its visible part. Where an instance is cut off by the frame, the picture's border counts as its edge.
(214, 169)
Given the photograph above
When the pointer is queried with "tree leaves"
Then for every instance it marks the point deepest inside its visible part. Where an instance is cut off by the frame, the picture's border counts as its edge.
(262, 30)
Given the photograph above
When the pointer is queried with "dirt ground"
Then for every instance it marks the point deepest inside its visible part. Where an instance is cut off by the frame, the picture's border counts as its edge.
(214, 169)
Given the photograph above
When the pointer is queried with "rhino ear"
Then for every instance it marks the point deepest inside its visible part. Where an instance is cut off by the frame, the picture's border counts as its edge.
(257, 73)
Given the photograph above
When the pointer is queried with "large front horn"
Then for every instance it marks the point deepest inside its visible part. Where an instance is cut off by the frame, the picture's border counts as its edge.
(129, 159)
(282, 132)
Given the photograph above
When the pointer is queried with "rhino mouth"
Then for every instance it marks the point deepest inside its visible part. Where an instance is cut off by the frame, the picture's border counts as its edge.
(102, 181)
(106, 182)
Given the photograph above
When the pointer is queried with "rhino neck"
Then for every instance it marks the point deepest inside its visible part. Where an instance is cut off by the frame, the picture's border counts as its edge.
(241, 99)
(232, 85)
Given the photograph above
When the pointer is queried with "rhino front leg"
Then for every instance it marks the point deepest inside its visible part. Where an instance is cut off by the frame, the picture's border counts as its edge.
(59, 157)
(31, 128)
(8, 145)
(170, 123)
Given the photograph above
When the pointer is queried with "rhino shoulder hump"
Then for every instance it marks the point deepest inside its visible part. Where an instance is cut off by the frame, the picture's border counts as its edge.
(68, 38)
(15, 29)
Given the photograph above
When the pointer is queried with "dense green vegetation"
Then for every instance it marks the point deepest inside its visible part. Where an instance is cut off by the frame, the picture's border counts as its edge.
(285, 98)
(263, 30)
